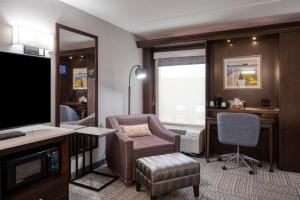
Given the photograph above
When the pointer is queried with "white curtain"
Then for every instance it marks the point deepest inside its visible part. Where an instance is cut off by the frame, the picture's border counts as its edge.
(180, 94)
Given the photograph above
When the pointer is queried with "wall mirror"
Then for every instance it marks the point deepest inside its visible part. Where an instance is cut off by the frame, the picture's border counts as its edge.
(76, 77)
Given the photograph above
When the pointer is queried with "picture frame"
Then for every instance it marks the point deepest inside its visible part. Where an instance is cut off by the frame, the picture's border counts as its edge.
(242, 72)
(80, 79)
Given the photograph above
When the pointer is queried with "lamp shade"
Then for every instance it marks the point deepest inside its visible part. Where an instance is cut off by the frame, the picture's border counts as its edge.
(140, 72)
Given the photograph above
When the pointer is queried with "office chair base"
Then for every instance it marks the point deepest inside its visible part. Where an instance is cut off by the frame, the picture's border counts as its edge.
(240, 159)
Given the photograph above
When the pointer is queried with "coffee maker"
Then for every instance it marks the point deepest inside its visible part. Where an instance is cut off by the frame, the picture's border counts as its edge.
(218, 101)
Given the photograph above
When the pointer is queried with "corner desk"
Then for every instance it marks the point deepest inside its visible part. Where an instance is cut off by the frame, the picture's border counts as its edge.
(268, 116)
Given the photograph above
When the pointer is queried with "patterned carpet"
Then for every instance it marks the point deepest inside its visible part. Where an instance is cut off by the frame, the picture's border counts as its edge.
(232, 184)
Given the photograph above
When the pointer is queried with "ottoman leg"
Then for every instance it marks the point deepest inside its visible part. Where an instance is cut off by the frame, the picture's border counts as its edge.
(153, 197)
(138, 186)
(196, 190)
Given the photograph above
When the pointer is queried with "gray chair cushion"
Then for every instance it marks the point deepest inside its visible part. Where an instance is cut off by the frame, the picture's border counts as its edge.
(166, 167)
(240, 129)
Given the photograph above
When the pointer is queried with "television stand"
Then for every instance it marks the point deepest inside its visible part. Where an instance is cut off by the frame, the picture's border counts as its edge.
(54, 187)
(12, 134)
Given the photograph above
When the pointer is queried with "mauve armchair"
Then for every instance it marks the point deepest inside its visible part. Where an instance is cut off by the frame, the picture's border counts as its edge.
(122, 151)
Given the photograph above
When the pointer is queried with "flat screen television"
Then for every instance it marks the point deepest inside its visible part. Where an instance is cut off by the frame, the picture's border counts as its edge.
(25, 90)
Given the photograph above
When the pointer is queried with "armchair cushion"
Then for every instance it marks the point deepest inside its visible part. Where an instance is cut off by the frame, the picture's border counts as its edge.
(136, 130)
(151, 145)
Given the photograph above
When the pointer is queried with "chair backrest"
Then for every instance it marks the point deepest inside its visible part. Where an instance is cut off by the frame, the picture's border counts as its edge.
(240, 129)
(154, 124)
(133, 119)
(68, 114)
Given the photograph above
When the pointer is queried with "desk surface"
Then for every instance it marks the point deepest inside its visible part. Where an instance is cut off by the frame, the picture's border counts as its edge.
(258, 110)
(95, 131)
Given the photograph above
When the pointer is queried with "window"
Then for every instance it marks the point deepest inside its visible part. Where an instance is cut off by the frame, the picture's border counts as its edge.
(181, 90)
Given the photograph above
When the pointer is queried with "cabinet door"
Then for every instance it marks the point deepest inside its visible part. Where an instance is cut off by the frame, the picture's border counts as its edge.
(289, 140)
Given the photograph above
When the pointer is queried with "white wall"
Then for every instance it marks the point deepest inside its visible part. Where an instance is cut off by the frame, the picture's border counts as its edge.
(117, 50)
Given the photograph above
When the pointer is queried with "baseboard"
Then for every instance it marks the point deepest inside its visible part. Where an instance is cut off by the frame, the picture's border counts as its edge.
(95, 166)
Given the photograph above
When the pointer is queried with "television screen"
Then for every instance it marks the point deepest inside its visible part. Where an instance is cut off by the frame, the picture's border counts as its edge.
(25, 85)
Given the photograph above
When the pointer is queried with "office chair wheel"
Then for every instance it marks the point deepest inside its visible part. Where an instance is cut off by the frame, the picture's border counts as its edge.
(251, 171)
(219, 158)
(259, 165)
(224, 167)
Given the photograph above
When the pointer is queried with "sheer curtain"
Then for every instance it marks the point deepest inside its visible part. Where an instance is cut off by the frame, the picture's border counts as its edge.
(180, 85)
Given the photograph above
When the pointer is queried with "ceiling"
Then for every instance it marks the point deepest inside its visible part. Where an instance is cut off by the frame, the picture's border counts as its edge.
(163, 18)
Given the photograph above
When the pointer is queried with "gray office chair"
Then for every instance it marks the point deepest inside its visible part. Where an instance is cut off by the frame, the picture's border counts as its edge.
(239, 129)
(67, 114)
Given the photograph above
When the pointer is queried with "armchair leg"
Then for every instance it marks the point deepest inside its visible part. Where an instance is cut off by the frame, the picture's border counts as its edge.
(196, 190)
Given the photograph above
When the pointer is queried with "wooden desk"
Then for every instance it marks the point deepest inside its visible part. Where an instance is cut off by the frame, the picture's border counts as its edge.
(269, 116)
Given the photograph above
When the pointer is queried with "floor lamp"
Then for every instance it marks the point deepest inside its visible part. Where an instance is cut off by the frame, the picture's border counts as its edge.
(140, 73)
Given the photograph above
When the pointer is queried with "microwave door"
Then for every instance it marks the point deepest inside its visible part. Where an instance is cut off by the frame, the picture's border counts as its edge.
(26, 169)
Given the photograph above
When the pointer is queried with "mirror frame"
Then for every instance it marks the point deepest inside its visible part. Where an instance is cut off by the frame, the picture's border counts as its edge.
(57, 63)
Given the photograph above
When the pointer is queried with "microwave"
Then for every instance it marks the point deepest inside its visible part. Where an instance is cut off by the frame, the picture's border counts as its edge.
(30, 167)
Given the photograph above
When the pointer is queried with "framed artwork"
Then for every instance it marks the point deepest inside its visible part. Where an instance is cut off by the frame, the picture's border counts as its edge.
(79, 78)
(243, 72)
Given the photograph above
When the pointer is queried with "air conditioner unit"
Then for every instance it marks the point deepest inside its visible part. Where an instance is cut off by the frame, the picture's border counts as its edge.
(192, 138)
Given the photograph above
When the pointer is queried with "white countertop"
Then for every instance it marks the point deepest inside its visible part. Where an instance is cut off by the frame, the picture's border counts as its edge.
(34, 133)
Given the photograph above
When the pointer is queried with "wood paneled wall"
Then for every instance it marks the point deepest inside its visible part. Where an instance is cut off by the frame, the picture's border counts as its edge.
(289, 49)
(149, 82)
(267, 48)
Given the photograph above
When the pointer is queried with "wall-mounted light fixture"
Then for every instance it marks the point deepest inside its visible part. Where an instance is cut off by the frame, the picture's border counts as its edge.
(254, 38)
(26, 36)
(228, 41)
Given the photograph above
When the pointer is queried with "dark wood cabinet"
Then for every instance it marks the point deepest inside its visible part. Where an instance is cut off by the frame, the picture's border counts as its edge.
(289, 137)
(54, 187)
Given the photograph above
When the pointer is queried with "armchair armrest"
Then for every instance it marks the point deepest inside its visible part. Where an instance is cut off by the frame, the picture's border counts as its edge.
(159, 130)
(119, 151)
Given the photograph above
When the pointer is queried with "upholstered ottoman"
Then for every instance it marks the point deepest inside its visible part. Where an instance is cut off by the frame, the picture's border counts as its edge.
(165, 173)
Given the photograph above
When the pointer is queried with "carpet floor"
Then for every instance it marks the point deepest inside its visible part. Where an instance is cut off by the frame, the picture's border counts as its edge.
(216, 184)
